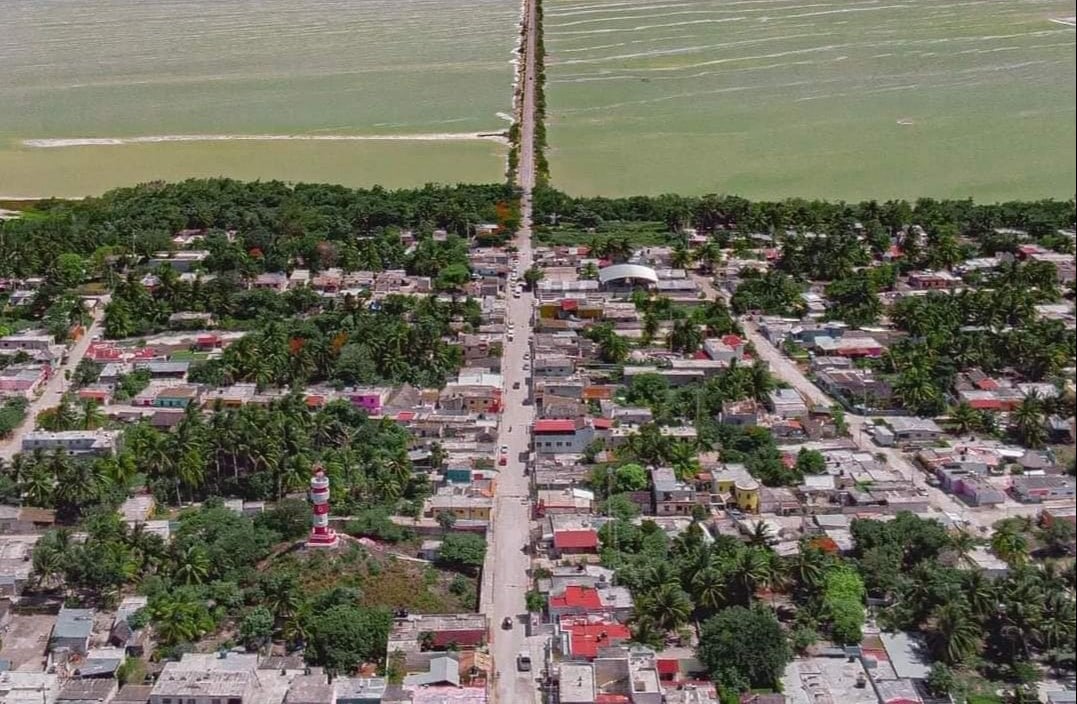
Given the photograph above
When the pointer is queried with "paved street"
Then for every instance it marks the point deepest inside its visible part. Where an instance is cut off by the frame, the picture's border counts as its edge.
(506, 571)
(54, 389)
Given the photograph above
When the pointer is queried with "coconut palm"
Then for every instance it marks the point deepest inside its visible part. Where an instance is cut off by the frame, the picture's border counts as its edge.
(668, 606)
(1028, 422)
(955, 635)
(1010, 545)
(963, 418)
(192, 565)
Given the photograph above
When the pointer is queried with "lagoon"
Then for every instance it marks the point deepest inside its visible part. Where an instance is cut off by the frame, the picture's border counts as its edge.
(832, 99)
(117, 69)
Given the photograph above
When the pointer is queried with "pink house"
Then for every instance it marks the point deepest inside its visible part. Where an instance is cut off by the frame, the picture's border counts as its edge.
(23, 380)
(369, 400)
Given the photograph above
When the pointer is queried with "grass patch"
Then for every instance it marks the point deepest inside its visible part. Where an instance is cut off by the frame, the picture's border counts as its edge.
(383, 579)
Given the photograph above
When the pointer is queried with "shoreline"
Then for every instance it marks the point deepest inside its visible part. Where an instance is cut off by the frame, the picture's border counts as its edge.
(61, 143)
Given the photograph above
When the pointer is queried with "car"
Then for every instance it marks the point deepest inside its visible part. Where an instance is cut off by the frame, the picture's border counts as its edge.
(515, 294)
(504, 449)
(527, 355)
(523, 661)
(503, 460)
(506, 623)
(515, 384)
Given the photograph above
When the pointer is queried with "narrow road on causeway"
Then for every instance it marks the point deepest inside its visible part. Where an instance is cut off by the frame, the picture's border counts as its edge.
(506, 579)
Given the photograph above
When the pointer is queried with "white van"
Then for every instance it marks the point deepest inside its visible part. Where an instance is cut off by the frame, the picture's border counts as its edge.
(523, 661)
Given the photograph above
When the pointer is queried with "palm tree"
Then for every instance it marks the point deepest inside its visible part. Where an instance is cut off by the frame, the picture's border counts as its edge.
(1010, 545)
(682, 457)
(808, 568)
(1028, 422)
(963, 418)
(979, 592)
(955, 634)
(747, 571)
(962, 543)
(668, 606)
(682, 257)
(709, 589)
(761, 536)
(92, 416)
(192, 565)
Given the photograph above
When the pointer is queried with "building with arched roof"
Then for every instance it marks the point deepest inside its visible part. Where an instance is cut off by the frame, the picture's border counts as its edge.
(627, 275)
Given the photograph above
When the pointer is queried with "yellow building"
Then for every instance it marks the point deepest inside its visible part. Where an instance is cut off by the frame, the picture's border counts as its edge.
(737, 487)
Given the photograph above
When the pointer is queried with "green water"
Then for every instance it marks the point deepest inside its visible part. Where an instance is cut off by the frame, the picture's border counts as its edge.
(840, 99)
(138, 68)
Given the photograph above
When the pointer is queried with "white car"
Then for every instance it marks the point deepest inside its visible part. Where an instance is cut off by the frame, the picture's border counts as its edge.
(527, 355)
(515, 294)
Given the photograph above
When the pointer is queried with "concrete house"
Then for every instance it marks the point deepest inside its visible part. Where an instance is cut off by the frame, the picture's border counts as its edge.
(72, 630)
(787, 403)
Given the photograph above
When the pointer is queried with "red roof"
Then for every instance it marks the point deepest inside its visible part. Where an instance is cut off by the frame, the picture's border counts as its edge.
(668, 667)
(405, 416)
(586, 638)
(732, 340)
(575, 539)
(569, 304)
(601, 423)
(577, 597)
(555, 426)
(607, 698)
(987, 384)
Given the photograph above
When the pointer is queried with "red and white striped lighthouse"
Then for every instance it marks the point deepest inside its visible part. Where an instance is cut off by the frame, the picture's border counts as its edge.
(321, 535)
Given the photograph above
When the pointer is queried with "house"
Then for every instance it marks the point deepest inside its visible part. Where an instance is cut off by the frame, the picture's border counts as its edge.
(850, 346)
(575, 542)
(416, 632)
(911, 430)
(74, 442)
(745, 412)
(159, 369)
(473, 398)
(787, 403)
(671, 496)
(933, 280)
(179, 396)
(209, 679)
(370, 400)
(582, 638)
(728, 348)
(1037, 489)
(275, 281)
(16, 564)
(27, 341)
(575, 601)
(734, 487)
(444, 671)
(182, 261)
(24, 380)
(561, 436)
(466, 507)
(860, 387)
(72, 630)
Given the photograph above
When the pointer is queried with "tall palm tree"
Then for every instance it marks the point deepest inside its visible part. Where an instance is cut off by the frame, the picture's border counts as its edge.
(962, 543)
(1028, 422)
(1010, 545)
(747, 571)
(668, 605)
(192, 565)
(955, 635)
(963, 418)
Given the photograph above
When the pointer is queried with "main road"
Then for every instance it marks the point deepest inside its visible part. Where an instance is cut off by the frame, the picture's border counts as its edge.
(506, 573)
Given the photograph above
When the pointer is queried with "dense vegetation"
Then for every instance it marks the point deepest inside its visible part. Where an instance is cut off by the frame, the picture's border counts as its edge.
(715, 214)
(739, 591)
(274, 224)
(254, 452)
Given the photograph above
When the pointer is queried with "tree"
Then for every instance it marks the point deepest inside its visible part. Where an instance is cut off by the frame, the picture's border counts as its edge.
(941, 680)
(964, 418)
(446, 519)
(462, 550)
(533, 275)
(1028, 422)
(744, 648)
(810, 462)
(629, 477)
(1010, 545)
(344, 636)
(69, 270)
(256, 628)
(954, 635)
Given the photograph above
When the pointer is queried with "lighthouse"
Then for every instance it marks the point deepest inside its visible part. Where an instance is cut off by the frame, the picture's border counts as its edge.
(321, 535)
